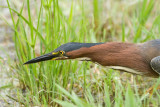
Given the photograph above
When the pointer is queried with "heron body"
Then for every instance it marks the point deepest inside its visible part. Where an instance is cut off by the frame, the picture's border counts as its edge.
(142, 58)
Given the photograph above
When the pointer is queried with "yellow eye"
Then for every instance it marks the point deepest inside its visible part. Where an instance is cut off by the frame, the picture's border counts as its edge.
(61, 52)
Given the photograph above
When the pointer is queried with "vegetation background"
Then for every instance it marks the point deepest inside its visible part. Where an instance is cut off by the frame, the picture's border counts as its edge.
(38, 27)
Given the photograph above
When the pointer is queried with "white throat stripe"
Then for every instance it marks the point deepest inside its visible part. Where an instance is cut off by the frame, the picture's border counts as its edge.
(125, 69)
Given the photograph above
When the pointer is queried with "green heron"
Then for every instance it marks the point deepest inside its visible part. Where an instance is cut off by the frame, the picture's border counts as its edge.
(141, 58)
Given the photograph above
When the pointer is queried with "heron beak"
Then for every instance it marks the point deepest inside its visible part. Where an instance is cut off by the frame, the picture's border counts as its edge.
(49, 56)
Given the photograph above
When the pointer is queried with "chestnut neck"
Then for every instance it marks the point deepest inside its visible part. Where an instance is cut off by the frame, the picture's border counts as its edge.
(114, 54)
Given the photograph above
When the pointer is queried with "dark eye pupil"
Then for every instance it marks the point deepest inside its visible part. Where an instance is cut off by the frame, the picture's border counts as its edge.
(61, 52)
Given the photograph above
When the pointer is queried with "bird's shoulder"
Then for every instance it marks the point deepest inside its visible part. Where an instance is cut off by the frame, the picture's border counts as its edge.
(150, 49)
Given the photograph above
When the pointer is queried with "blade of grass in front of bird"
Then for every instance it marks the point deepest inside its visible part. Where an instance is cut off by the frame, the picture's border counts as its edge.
(107, 96)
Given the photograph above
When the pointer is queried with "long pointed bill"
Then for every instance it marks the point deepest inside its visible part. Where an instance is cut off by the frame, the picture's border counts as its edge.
(49, 56)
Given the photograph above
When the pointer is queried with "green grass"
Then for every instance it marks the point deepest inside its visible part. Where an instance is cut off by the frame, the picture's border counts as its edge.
(44, 26)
